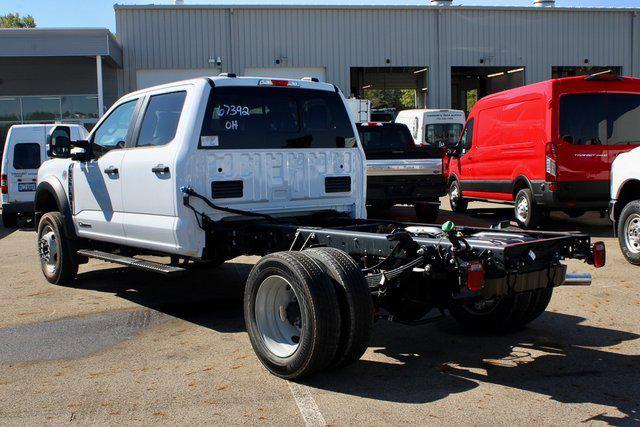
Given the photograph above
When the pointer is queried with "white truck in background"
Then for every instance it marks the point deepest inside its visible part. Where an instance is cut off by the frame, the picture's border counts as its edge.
(433, 127)
(624, 208)
(24, 151)
(359, 109)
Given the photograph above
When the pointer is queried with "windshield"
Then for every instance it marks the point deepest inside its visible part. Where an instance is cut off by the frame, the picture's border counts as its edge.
(442, 134)
(386, 138)
(600, 119)
(275, 117)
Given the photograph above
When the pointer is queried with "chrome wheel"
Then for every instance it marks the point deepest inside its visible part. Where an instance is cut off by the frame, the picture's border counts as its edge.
(278, 316)
(632, 233)
(522, 210)
(49, 250)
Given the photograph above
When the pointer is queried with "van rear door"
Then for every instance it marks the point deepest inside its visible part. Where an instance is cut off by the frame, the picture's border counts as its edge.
(281, 147)
(26, 152)
(594, 128)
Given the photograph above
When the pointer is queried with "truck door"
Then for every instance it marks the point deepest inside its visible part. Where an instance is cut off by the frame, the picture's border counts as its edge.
(462, 166)
(149, 176)
(97, 190)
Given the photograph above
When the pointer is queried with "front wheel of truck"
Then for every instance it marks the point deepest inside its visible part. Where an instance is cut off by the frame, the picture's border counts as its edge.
(292, 314)
(58, 260)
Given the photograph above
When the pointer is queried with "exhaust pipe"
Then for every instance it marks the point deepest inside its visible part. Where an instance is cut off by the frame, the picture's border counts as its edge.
(583, 279)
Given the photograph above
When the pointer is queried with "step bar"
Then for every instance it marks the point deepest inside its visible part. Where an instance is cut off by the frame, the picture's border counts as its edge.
(141, 264)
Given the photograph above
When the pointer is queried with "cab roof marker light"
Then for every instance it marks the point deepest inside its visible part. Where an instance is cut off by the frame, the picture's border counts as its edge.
(281, 83)
(371, 124)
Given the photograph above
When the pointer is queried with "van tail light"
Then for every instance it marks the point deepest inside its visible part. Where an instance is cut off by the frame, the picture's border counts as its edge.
(551, 170)
(475, 276)
(599, 254)
(5, 184)
(283, 83)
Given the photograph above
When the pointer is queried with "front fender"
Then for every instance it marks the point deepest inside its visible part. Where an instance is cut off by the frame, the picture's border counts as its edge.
(48, 189)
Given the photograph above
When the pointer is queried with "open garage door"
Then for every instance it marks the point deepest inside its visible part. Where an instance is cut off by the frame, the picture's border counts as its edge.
(468, 84)
(288, 72)
(147, 78)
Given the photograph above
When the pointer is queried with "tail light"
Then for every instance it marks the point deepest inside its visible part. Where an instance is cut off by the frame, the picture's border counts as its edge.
(551, 169)
(475, 276)
(284, 83)
(5, 184)
(599, 254)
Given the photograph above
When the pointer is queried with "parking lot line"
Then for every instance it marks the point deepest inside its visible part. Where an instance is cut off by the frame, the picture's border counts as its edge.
(306, 405)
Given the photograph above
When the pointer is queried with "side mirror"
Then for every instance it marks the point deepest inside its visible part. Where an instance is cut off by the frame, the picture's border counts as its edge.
(59, 142)
(568, 139)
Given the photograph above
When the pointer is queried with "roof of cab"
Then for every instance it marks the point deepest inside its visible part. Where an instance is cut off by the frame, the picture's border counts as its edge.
(223, 80)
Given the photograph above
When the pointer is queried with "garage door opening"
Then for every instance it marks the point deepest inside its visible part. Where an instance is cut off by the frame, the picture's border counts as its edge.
(468, 84)
(391, 89)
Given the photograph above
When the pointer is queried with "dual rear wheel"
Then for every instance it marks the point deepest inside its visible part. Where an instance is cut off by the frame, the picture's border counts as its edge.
(307, 311)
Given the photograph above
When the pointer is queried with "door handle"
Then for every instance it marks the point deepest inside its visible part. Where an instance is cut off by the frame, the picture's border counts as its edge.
(160, 169)
(111, 170)
(470, 157)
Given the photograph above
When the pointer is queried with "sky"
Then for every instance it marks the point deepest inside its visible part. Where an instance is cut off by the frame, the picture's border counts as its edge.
(99, 13)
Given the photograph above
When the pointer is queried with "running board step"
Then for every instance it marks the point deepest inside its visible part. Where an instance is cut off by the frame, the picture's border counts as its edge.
(154, 267)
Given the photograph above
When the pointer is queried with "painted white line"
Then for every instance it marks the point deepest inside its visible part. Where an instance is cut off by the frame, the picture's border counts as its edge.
(306, 405)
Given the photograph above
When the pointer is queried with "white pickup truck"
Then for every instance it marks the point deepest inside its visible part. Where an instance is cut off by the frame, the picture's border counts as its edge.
(212, 168)
(624, 208)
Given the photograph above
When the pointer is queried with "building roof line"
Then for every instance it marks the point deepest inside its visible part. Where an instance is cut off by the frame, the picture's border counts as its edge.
(370, 7)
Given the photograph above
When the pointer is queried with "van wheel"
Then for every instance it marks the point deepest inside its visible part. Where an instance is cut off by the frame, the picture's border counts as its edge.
(427, 212)
(291, 314)
(527, 213)
(9, 220)
(497, 315)
(354, 302)
(58, 260)
(629, 232)
(458, 204)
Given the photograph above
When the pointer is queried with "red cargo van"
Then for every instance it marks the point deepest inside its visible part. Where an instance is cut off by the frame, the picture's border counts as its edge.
(546, 146)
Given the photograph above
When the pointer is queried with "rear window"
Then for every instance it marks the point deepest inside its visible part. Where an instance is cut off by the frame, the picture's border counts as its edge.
(600, 118)
(386, 138)
(442, 134)
(275, 118)
(26, 156)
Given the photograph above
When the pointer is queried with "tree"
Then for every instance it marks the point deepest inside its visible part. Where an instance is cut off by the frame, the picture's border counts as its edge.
(14, 20)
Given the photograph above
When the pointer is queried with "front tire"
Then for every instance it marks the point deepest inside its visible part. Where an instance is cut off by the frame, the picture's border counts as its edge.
(527, 214)
(9, 220)
(58, 260)
(427, 212)
(458, 204)
(629, 232)
(291, 314)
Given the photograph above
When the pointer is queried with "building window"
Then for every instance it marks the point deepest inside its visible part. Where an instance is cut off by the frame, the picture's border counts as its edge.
(559, 72)
(9, 109)
(78, 107)
(40, 108)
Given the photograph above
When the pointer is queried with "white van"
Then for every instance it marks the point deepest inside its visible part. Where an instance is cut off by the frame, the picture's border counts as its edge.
(432, 127)
(24, 151)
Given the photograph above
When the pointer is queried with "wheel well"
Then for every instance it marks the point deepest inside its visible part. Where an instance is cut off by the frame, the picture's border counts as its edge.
(46, 202)
(520, 184)
(629, 192)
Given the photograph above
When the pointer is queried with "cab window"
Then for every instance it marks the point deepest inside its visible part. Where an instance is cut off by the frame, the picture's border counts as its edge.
(112, 132)
(161, 119)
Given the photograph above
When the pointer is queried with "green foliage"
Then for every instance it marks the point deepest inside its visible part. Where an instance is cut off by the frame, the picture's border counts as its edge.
(399, 99)
(472, 98)
(14, 20)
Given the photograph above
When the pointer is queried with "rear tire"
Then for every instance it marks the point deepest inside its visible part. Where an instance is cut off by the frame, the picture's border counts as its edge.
(540, 299)
(291, 314)
(427, 212)
(503, 315)
(458, 204)
(527, 214)
(9, 220)
(354, 301)
(58, 260)
(629, 232)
